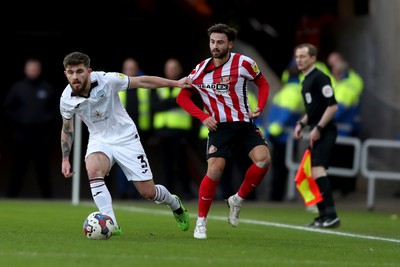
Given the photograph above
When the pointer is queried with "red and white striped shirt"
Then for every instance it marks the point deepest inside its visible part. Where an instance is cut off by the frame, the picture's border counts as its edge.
(223, 89)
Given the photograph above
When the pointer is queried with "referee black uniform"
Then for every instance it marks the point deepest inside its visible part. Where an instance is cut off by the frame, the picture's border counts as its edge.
(318, 95)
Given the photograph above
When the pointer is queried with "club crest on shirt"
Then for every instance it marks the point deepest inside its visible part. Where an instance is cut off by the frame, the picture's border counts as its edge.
(225, 79)
(100, 94)
(212, 149)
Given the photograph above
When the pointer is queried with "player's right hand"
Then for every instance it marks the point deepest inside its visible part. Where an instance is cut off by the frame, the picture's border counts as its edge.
(211, 124)
(66, 169)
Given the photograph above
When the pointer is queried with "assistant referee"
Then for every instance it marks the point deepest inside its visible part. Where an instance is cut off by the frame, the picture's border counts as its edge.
(321, 106)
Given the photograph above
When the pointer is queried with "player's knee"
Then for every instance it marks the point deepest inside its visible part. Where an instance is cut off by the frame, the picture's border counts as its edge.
(214, 174)
(263, 163)
(94, 173)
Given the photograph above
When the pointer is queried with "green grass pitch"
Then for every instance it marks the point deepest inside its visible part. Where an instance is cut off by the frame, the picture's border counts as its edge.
(47, 234)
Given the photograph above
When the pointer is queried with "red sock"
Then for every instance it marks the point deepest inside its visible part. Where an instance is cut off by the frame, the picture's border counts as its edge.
(207, 191)
(252, 179)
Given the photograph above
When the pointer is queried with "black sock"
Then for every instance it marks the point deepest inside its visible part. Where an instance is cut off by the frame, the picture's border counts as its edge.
(327, 206)
(179, 211)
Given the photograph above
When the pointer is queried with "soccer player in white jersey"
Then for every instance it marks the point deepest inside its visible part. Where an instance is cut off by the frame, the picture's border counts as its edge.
(113, 137)
(221, 81)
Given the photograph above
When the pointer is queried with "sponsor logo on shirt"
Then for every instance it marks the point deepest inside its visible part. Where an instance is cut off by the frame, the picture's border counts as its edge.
(218, 89)
(99, 116)
(308, 98)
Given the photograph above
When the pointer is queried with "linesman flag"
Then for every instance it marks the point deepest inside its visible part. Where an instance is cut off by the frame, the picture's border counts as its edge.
(305, 184)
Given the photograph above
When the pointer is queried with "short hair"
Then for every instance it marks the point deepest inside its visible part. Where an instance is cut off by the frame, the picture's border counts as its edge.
(312, 49)
(223, 28)
(76, 58)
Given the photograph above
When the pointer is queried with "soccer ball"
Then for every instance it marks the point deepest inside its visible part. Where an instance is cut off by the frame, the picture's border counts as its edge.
(98, 225)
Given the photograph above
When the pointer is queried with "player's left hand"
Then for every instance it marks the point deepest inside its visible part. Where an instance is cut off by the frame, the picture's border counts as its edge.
(313, 136)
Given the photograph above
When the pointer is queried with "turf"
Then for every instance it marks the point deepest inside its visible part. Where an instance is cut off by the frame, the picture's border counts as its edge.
(36, 233)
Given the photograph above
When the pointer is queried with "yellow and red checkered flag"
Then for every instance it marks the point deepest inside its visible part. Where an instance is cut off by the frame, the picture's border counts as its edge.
(305, 184)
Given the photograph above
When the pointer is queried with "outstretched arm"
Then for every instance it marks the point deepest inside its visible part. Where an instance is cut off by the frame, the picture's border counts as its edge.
(155, 82)
(67, 138)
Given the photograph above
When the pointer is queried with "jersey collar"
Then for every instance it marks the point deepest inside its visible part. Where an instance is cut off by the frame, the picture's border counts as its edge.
(211, 67)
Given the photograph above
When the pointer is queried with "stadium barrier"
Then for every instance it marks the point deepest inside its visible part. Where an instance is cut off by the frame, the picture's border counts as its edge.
(373, 174)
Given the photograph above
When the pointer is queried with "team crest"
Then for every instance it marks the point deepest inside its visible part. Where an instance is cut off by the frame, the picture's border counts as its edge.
(225, 79)
(101, 94)
(212, 149)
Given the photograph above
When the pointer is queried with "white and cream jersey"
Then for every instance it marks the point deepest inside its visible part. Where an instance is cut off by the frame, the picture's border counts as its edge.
(101, 111)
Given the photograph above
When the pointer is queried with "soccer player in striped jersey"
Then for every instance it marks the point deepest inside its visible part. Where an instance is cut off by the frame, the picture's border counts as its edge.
(221, 81)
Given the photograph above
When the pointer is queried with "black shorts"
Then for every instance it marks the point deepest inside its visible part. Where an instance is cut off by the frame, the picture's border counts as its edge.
(323, 148)
(233, 136)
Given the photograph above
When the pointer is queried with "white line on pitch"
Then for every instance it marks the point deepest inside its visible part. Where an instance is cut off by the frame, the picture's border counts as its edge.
(280, 225)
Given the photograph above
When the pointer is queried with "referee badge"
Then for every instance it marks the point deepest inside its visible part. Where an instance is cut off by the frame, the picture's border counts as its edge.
(327, 91)
(308, 98)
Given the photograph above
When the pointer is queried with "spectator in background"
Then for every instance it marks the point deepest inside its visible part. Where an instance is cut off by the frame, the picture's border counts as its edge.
(352, 78)
(137, 103)
(286, 109)
(31, 106)
(348, 86)
(172, 126)
(348, 99)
